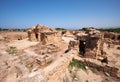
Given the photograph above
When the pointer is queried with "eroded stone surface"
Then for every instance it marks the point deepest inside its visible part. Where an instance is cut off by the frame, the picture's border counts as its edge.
(43, 58)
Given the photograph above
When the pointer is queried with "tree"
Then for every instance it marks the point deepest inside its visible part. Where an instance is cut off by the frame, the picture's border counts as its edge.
(60, 29)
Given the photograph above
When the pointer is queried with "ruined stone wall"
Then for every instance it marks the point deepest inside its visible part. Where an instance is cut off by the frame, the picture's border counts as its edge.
(33, 37)
(43, 38)
(9, 36)
(112, 71)
(94, 46)
(94, 43)
(112, 38)
(45, 34)
(67, 33)
(111, 35)
(50, 38)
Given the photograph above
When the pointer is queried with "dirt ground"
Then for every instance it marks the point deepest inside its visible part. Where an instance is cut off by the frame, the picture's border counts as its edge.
(19, 61)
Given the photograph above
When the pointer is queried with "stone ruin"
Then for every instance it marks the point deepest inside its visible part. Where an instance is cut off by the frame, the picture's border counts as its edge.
(49, 42)
(90, 43)
(112, 71)
(111, 35)
(7, 37)
(66, 33)
(112, 39)
(87, 44)
(43, 34)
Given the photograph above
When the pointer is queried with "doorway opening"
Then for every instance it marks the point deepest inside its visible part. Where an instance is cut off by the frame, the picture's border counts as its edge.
(82, 46)
(36, 35)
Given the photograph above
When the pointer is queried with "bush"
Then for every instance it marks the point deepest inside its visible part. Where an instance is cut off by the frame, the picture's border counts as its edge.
(93, 70)
(77, 64)
(49, 62)
(60, 29)
(12, 50)
(111, 30)
(87, 81)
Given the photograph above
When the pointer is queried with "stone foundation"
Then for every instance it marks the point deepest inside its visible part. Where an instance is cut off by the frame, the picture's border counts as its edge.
(112, 71)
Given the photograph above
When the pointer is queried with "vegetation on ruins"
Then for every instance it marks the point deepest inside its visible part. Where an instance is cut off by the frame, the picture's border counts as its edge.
(29, 65)
(85, 28)
(76, 64)
(87, 81)
(49, 62)
(12, 50)
(93, 70)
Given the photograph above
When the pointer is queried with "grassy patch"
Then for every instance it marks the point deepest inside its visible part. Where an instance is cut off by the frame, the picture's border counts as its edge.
(30, 65)
(49, 62)
(93, 70)
(12, 50)
(77, 64)
(87, 81)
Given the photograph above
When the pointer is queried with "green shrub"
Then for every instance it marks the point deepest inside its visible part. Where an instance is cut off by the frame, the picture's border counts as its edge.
(93, 70)
(12, 50)
(30, 65)
(60, 29)
(77, 64)
(110, 29)
(49, 62)
(87, 81)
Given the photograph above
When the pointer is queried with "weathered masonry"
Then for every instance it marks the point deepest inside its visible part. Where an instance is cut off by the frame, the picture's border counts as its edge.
(90, 43)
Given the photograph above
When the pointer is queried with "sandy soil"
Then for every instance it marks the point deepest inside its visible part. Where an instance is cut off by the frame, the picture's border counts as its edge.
(24, 68)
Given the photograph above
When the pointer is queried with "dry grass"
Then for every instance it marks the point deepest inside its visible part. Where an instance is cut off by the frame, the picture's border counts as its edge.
(12, 50)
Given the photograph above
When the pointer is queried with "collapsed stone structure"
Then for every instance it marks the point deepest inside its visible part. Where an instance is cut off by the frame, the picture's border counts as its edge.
(112, 38)
(90, 43)
(49, 40)
(46, 62)
(43, 34)
(7, 37)
(111, 35)
(66, 33)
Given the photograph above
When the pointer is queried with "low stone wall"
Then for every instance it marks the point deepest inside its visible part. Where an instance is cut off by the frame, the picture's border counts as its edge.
(112, 71)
